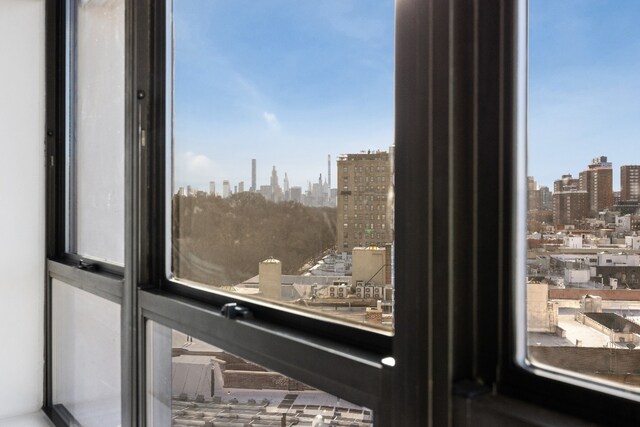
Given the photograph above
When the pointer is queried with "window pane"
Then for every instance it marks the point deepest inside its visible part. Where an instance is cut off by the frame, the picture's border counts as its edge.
(283, 153)
(583, 264)
(191, 381)
(86, 356)
(96, 130)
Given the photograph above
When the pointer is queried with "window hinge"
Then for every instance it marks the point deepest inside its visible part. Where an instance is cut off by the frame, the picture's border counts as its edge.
(232, 311)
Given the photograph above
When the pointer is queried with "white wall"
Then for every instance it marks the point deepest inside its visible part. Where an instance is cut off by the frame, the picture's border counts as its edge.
(22, 196)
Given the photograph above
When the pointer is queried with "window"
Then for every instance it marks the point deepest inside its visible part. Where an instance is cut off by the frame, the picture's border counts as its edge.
(455, 136)
(573, 75)
(95, 166)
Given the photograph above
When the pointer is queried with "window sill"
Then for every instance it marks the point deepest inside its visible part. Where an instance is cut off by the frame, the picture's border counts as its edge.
(35, 419)
(497, 411)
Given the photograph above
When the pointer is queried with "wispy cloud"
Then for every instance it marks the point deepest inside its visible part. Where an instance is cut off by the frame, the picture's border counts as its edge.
(272, 120)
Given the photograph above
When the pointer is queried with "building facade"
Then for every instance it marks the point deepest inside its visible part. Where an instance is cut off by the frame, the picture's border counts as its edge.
(597, 181)
(630, 183)
(364, 205)
(566, 183)
(570, 206)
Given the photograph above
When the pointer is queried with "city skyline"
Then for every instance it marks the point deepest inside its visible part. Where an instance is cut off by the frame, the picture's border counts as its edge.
(283, 82)
(575, 173)
(267, 173)
(576, 108)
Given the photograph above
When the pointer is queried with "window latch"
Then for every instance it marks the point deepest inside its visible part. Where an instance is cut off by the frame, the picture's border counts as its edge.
(232, 311)
(84, 265)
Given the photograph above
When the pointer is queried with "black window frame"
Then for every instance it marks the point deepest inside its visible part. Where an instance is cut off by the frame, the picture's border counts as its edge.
(458, 141)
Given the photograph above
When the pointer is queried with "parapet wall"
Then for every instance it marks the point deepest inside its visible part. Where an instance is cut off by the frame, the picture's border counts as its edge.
(261, 380)
(588, 360)
(606, 294)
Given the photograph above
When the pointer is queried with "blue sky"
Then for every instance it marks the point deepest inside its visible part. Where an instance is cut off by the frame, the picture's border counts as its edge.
(289, 81)
(584, 86)
(284, 81)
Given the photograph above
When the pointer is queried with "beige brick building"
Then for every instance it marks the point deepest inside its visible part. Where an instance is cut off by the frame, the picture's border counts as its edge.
(365, 200)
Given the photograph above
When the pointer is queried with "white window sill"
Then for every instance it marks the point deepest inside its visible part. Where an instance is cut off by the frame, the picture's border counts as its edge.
(36, 419)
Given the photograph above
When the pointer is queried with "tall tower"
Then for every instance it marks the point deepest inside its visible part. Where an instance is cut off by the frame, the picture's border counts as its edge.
(274, 178)
(253, 176)
(226, 189)
(287, 192)
(329, 171)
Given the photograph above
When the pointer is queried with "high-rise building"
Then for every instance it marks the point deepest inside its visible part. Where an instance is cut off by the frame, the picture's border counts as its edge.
(253, 176)
(597, 181)
(296, 194)
(570, 206)
(226, 189)
(533, 195)
(630, 183)
(241, 187)
(364, 212)
(212, 188)
(539, 198)
(266, 191)
(546, 198)
(287, 191)
(276, 191)
(329, 171)
(566, 183)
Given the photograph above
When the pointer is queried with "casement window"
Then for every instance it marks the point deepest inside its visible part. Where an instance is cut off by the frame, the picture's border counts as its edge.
(572, 75)
(163, 300)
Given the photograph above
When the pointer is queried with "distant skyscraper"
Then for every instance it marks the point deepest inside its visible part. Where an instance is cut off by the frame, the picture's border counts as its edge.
(276, 191)
(597, 181)
(274, 178)
(329, 171)
(266, 191)
(296, 194)
(226, 189)
(212, 188)
(365, 217)
(287, 192)
(533, 194)
(630, 183)
(546, 198)
(253, 176)
(190, 191)
(241, 187)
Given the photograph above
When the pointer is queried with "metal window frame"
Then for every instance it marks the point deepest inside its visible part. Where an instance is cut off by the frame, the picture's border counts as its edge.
(101, 279)
(456, 119)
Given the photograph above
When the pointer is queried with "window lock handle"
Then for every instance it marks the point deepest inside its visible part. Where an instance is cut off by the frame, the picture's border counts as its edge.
(84, 265)
(232, 311)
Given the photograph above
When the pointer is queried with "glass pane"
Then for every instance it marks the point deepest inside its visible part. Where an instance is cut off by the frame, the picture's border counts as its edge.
(583, 264)
(283, 141)
(96, 130)
(191, 382)
(86, 356)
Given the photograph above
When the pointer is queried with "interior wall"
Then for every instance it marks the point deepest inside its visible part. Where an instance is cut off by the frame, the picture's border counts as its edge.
(22, 229)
